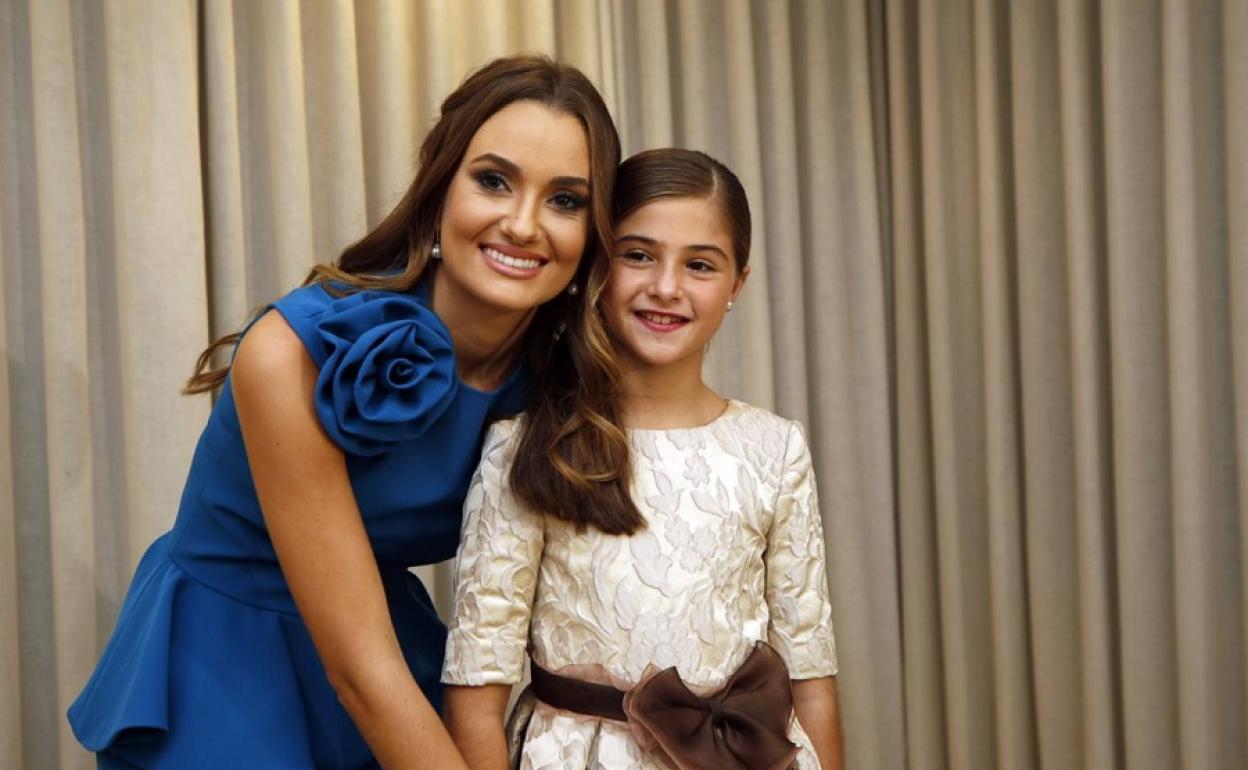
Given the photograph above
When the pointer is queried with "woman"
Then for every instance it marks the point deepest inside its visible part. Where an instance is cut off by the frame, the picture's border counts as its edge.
(276, 625)
(716, 577)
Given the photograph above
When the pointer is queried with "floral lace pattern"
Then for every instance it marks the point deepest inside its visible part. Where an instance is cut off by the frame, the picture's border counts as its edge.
(733, 553)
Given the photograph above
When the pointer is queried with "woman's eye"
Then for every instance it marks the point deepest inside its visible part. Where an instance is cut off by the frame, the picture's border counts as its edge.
(568, 201)
(635, 255)
(492, 180)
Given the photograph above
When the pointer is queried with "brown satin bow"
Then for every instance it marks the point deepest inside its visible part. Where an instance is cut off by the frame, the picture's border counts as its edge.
(742, 726)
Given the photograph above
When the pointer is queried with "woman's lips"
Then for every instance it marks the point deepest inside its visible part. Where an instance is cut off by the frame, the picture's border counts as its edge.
(512, 262)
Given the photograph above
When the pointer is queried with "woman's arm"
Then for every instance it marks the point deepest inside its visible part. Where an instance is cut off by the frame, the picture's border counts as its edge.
(474, 717)
(818, 711)
(318, 533)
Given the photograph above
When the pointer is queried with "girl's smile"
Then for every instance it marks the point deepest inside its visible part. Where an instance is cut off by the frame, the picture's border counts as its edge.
(659, 321)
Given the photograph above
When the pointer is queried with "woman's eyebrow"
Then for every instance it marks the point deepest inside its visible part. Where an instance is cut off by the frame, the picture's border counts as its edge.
(498, 160)
(511, 168)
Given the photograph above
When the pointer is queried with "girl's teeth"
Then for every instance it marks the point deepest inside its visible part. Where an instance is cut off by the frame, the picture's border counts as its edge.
(523, 264)
(660, 319)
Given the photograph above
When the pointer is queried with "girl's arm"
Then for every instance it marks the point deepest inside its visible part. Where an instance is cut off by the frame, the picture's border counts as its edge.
(819, 713)
(318, 533)
(474, 717)
(797, 596)
(495, 575)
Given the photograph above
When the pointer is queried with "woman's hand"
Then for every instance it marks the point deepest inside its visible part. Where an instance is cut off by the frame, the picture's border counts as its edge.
(318, 533)
(818, 711)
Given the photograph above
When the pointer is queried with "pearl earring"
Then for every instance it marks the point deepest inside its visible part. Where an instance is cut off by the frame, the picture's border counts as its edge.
(729, 306)
(573, 289)
(436, 251)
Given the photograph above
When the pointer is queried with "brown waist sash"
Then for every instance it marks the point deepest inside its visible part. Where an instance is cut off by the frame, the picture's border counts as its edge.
(742, 725)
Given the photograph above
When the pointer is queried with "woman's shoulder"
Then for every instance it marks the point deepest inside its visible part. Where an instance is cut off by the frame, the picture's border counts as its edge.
(385, 364)
(321, 311)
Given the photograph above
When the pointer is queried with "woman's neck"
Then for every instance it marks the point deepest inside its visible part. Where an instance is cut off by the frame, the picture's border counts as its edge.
(487, 341)
(668, 396)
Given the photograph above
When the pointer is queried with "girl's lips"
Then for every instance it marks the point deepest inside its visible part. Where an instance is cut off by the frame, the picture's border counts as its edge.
(513, 263)
(660, 322)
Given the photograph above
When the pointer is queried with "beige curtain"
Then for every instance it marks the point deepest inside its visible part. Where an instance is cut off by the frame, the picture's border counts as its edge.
(998, 273)
(1067, 192)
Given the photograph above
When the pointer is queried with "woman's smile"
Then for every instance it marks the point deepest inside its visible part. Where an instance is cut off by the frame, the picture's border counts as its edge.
(513, 261)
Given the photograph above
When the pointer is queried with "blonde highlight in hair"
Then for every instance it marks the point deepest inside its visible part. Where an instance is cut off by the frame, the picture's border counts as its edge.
(574, 461)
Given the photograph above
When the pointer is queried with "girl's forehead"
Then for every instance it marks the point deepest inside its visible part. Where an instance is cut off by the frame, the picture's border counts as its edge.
(680, 220)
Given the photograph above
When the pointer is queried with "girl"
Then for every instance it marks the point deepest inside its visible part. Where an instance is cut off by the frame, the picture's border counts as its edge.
(276, 625)
(659, 637)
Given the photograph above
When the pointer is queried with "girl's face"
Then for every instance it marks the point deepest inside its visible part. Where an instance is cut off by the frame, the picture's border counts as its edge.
(516, 216)
(672, 276)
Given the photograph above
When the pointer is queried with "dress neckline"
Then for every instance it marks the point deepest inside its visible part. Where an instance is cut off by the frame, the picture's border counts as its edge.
(731, 406)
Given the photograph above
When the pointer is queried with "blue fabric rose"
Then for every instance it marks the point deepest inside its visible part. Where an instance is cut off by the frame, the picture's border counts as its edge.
(389, 371)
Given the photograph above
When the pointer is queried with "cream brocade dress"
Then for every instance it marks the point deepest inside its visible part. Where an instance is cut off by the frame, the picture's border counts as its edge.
(733, 553)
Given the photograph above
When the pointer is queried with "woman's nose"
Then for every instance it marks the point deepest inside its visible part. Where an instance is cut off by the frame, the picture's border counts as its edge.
(520, 224)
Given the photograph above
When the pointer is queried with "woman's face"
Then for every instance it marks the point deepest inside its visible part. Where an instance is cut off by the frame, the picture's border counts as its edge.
(516, 216)
(672, 277)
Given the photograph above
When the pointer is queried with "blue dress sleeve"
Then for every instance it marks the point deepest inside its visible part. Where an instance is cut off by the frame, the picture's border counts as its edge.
(385, 361)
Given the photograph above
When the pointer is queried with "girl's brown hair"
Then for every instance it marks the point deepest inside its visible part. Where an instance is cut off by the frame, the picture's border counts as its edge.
(672, 172)
(573, 479)
(395, 255)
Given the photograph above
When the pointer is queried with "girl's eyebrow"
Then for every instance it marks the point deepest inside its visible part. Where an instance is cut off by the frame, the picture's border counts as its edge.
(648, 241)
(511, 168)
(706, 247)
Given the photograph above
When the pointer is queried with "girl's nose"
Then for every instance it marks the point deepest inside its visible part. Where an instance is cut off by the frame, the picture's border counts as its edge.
(667, 283)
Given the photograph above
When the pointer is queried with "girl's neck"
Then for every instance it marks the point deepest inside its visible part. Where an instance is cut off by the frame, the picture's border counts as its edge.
(487, 341)
(667, 397)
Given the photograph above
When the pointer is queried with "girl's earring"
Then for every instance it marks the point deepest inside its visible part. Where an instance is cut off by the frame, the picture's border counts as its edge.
(573, 289)
(729, 306)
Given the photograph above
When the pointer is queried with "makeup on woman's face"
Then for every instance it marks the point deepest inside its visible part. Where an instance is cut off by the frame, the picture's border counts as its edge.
(673, 274)
(516, 216)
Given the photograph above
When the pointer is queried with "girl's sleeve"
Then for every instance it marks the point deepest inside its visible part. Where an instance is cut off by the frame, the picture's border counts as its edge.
(495, 573)
(797, 585)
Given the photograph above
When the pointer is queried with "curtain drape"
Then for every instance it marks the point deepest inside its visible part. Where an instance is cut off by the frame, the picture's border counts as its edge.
(1069, 292)
(1000, 271)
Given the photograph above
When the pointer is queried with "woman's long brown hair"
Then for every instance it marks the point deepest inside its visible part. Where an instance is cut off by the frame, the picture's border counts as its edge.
(395, 254)
(573, 461)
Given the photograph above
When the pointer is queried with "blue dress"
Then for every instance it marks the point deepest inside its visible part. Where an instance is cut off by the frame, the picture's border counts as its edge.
(210, 665)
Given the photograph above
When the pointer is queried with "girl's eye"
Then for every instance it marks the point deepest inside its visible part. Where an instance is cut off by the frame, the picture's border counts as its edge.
(700, 266)
(635, 255)
(492, 180)
(568, 201)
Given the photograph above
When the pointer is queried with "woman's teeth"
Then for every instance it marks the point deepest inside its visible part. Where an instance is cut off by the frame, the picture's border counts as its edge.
(522, 264)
